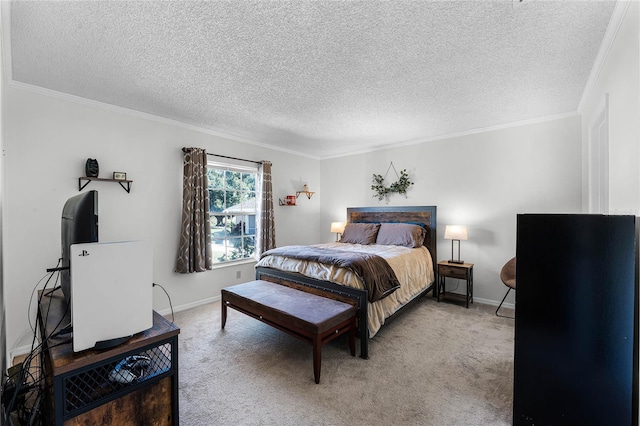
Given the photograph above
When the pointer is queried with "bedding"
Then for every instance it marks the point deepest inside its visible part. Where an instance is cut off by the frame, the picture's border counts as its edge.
(373, 271)
(413, 268)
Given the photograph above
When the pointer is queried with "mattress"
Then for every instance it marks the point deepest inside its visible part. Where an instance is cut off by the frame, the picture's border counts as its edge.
(413, 268)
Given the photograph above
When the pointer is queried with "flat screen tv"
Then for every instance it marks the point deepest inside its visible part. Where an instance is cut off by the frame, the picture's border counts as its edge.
(79, 225)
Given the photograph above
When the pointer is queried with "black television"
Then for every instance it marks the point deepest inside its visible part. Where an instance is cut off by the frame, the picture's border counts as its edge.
(79, 225)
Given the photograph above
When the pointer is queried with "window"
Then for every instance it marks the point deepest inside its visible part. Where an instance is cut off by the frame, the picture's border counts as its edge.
(232, 211)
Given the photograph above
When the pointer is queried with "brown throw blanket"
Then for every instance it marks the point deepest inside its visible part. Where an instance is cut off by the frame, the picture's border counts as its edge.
(374, 272)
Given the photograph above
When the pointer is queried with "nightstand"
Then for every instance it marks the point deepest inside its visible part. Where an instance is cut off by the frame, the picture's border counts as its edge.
(462, 271)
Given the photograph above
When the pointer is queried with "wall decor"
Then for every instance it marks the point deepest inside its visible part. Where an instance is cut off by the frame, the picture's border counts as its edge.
(119, 175)
(305, 191)
(398, 187)
(289, 200)
(91, 168)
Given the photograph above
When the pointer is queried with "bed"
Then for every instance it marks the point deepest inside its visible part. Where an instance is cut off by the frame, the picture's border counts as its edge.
(414, 267)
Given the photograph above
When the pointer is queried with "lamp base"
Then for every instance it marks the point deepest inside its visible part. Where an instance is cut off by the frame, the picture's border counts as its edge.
(456, 261)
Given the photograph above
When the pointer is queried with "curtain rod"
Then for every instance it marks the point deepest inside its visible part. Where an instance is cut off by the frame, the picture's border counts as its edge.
(235, 158)
(230, 158)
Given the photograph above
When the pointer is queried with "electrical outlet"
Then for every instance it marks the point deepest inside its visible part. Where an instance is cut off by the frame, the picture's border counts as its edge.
(238, 274)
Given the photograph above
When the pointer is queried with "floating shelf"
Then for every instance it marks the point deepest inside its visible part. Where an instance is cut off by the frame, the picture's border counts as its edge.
(88, 180)
(284, 203)
(309, 194)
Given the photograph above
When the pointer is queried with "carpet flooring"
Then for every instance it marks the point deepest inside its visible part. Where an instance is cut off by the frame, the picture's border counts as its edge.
(436, 364)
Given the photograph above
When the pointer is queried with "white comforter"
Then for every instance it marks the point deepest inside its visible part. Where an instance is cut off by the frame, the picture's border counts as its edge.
(413, 268)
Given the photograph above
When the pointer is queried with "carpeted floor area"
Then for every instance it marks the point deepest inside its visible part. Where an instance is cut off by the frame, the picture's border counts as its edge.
(437, 364)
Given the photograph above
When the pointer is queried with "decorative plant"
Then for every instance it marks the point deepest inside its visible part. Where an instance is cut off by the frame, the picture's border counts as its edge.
(399, 187)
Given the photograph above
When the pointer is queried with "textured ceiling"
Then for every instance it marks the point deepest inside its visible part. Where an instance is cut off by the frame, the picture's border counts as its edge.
(322, 78)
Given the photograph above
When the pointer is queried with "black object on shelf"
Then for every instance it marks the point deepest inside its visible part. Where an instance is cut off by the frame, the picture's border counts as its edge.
(91, 167)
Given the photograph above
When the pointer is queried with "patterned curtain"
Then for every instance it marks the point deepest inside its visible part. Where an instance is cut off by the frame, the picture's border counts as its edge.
(194, 253)
(266, 224)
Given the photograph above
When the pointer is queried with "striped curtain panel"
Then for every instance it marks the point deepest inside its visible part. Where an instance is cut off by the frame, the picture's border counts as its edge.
(266, 224)
(194, 253)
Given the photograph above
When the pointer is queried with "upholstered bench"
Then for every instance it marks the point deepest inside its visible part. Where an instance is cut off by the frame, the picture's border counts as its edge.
(309, 317)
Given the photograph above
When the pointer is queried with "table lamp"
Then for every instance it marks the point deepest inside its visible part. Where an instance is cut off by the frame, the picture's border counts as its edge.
(455, 233)
(338, 228)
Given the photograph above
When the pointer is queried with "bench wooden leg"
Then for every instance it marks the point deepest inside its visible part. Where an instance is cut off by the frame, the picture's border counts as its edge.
(317, 358)
(352, 338)
(224, 313)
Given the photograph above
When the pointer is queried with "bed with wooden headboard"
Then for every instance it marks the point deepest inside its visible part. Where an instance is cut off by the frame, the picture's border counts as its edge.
(415, 268)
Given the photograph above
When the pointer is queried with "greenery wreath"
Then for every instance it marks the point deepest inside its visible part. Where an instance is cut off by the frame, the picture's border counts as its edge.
(399, 187)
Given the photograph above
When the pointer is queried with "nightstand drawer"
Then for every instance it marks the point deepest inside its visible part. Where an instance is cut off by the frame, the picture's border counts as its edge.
(453, 272)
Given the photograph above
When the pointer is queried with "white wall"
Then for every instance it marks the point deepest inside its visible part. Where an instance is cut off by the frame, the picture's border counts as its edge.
(3, 328)
(619, 77)
(480, 180)
(47, 141)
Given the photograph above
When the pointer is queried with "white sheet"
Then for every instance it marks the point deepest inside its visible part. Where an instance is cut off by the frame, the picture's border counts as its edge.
(413, 268)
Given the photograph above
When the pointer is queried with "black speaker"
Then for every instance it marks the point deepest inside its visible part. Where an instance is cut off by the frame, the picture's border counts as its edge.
(576, 327)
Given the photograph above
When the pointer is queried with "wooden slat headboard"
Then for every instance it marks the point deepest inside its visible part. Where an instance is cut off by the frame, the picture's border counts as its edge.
(412, 214)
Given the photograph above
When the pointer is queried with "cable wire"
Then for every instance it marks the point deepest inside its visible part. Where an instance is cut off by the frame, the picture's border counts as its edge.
(168, 297)
(28, 379)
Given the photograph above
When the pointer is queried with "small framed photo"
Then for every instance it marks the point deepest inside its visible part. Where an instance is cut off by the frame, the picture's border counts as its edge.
(119, 176)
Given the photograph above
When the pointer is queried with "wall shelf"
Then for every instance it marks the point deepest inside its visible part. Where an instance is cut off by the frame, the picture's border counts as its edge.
(309, 194)
(88, 180)
(284, 203)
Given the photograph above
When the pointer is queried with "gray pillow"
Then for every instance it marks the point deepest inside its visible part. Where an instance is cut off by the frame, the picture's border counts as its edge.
(401, 234)
(360, 233)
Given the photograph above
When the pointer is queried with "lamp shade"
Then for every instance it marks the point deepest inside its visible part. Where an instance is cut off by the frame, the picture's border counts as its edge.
(455, 232)
(338, 227)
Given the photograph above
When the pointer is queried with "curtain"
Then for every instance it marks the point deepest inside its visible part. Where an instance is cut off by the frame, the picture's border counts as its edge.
(266, 224)
(194, 253)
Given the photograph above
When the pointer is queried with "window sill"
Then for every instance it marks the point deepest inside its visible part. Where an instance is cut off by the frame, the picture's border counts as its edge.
(233, 263)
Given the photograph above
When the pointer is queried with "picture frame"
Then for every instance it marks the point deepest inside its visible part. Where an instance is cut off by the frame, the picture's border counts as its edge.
(119, 176)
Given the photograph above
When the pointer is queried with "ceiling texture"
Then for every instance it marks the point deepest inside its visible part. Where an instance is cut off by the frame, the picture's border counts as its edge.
(319, 78)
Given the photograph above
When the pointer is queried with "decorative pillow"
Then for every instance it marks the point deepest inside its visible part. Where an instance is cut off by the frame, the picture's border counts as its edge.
(360, 233)
(401, 234)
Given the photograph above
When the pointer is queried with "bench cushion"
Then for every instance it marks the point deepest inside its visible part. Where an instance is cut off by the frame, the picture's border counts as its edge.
(310, 312)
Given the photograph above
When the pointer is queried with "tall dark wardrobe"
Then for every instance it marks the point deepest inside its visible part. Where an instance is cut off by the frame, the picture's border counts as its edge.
(576, 327)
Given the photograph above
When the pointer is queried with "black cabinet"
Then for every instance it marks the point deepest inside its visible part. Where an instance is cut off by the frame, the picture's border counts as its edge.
(576, 333)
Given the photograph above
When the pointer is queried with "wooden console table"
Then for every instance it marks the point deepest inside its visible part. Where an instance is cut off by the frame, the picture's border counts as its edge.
(80, 388)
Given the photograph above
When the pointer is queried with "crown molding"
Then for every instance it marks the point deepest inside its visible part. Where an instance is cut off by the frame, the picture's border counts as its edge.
(617, 17)
(148, 116)
(218, 133)
(513, 124)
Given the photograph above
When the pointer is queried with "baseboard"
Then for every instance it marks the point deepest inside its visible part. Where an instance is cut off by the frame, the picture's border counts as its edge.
(489, 302)
(494, 303)
(179, 308)
(23, 350)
